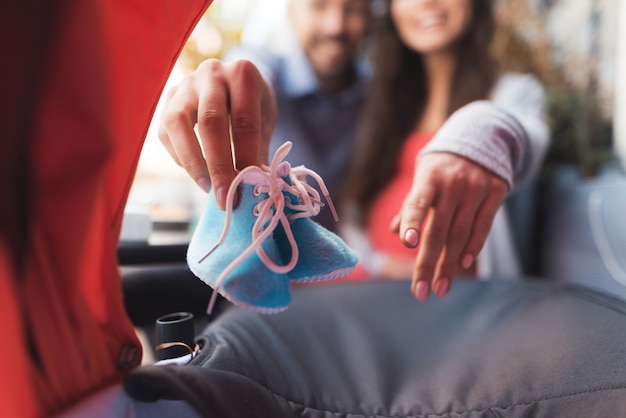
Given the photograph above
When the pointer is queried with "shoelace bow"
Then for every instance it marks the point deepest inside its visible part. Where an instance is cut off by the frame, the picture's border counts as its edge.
(271, 211)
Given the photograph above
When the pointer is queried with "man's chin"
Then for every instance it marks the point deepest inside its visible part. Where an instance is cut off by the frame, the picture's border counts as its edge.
(332, 68)
(333, 75)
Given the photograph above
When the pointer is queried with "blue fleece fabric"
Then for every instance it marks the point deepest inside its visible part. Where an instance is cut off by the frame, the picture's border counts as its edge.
(251, 284)
(322, 254)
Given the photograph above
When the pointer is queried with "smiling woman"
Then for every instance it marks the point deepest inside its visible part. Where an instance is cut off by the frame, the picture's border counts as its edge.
(431, 26)
(449, 135)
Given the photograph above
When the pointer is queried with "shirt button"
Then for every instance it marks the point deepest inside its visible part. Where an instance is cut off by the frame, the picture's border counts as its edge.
(130, 356)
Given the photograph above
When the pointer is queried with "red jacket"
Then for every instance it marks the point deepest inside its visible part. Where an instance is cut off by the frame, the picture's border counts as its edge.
(81, 81)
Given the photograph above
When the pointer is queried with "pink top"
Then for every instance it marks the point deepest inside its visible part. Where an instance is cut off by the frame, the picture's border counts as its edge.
(389, 202)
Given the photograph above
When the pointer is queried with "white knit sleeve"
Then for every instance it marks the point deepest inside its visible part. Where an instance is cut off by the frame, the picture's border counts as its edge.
(508, 135)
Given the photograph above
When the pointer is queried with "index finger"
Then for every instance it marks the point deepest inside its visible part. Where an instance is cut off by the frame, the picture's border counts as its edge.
(178, 137)
(414, 211)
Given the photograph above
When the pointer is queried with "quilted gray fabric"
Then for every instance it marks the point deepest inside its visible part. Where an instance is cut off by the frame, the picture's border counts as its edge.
(490, 349)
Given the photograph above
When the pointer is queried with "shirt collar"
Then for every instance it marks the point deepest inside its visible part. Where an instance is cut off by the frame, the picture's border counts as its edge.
(298, 76)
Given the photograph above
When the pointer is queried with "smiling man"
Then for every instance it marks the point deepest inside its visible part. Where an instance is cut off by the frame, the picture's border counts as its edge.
(319, 86)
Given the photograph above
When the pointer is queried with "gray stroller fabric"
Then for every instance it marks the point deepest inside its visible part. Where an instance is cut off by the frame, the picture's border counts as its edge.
(489, 349)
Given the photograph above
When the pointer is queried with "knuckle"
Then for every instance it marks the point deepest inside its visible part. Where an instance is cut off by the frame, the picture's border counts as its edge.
(171, 93)
(212, 118)
(447, 268)
(243, 67)
(460, 177)
(245, 73)
(420, 202)
(211, 66)
(162, 133)
(192, 166)
(480, 183)
(174, 119)
(425, 269)
(476, 182)
(500, 187)
(243, 124)
(219, 170)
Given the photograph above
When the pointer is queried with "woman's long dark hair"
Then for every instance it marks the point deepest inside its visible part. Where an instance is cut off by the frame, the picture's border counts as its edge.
(397, 96)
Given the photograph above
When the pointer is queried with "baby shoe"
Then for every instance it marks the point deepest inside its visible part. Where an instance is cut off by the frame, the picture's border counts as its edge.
(322, 254)
(242, 261)
(269, 225)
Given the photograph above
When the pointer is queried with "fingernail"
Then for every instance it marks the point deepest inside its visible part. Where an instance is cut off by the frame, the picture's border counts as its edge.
(421, 290)
(411, 237)
(220, 195)
(204, 183)
(467, 262)
(443, 285)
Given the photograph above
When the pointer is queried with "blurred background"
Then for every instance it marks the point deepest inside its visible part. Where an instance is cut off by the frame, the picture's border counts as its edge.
(164, 201)
(576, 46)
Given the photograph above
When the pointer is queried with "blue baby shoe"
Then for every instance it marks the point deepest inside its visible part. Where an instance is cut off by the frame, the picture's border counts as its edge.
(322, 254)
(268, 240)
(234, 252)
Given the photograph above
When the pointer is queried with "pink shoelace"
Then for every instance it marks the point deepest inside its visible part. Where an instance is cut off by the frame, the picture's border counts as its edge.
(271, 211)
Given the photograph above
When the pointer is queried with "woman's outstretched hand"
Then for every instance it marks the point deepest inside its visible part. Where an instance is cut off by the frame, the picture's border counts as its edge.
(448, 213)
